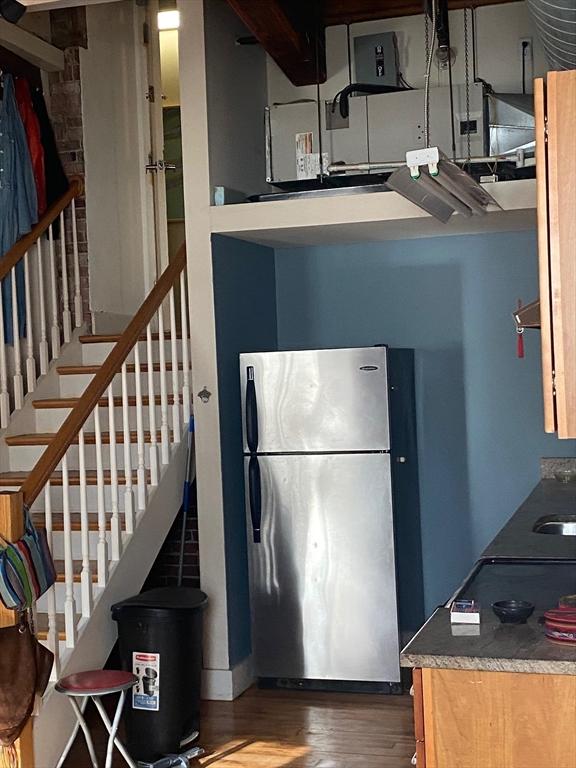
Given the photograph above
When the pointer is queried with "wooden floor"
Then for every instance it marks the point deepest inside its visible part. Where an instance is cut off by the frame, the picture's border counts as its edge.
(266, 729)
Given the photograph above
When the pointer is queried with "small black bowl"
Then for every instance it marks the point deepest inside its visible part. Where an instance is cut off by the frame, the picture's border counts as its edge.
(513, 611)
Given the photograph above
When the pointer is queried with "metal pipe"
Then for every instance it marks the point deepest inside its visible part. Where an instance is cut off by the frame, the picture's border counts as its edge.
(556, 25)
(392, 165)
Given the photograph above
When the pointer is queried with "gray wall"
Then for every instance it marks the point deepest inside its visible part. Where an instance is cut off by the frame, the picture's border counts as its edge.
(236, 82)
(245, 306)
(479, 408)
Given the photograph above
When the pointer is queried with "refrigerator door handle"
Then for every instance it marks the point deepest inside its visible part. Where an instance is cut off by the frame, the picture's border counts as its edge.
(255, 495)
(251, 411)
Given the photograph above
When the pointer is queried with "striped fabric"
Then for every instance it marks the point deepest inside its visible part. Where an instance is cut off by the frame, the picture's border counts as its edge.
(26, 567)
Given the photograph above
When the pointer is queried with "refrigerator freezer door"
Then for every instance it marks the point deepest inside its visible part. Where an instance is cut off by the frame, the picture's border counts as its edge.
(323, 585)
(316, 401)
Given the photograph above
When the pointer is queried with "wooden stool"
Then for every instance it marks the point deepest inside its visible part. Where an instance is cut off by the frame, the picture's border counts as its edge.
(94, 685)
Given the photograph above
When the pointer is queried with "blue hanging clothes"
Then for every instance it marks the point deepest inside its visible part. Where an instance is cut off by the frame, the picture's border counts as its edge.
(18, 200)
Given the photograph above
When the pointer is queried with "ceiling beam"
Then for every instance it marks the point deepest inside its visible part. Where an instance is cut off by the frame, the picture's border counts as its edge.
(288, 32)
(354, 11)
(31, 48)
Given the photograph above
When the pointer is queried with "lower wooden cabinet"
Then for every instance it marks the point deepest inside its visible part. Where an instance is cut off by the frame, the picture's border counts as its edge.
(419, 718)
(470, 719)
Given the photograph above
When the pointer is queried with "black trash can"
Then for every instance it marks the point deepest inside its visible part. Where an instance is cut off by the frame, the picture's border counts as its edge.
(160, 641)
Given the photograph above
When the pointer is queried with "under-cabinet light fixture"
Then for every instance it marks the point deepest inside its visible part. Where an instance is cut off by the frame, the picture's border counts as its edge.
(168, 20)
(439, 186)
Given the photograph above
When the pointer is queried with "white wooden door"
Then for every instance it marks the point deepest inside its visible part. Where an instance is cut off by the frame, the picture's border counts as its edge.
(156, 166)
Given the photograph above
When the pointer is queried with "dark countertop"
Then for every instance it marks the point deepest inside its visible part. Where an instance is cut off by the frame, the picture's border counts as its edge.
(517, 539)
(499, 648)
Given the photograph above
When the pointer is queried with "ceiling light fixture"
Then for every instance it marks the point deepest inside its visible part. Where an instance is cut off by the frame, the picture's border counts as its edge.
(11, 10)
(168, 20)
(439, 186)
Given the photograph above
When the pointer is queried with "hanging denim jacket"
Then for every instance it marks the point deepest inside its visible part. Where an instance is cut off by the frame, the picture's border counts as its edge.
(18, 198)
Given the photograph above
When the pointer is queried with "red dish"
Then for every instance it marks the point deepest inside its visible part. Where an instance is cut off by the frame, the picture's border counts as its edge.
(558, 634)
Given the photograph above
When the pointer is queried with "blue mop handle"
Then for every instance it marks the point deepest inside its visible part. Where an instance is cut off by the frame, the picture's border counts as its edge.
(186, 498)
(189, 464)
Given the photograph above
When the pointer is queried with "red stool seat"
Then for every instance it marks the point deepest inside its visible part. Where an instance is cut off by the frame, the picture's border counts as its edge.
(98, 682)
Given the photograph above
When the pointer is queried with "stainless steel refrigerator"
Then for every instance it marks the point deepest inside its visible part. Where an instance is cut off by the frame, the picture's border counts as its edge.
(320, 518)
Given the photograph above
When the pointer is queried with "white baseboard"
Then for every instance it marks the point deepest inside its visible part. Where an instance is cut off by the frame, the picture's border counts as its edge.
(227, 684)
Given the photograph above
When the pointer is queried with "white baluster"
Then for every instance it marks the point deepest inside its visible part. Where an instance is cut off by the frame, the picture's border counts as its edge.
(55, 329)
(152, 409)
(4, 394)
(69, 601)
(53, 639)
(176, 418)
(18, 378)
(164, 429)
(66, 314)
(102, 542)
(44, 351)
(30, 361)
(129, 490)
(185, 347)
(116, 535)
(86, 577)
(141, 469)
(77, 286)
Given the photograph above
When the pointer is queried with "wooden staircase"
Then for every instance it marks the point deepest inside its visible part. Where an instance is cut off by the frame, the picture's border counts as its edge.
(96, 448)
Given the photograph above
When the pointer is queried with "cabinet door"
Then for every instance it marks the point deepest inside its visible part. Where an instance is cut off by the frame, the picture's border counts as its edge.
(544, 257)
(419, 718)
(561, 122)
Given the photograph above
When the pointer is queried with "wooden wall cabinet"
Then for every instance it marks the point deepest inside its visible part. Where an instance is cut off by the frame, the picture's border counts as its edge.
(555, 110)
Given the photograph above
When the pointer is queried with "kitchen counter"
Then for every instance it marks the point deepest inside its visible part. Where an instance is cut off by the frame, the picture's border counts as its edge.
(517, 539)
(499, 647)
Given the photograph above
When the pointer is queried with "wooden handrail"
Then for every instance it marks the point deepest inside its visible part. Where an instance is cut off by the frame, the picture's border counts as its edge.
(67, 433)
(13, 256)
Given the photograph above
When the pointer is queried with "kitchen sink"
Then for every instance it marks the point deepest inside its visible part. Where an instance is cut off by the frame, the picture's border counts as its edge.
(559, 525)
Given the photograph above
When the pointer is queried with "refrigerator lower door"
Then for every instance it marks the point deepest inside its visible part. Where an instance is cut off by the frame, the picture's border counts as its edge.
(315, 401)
(323, 585)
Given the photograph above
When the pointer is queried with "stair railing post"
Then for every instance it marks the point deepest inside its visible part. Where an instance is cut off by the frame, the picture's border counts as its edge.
(141, 466)
(4, 393)
(152, 409)
(55, 329)
(77, 285)
(43, 347)
(176, 416)
(66, 314)
(12, 528)
(18, 378)
(115, 529)
(128, 481)
(185, 348)
(86, 574)
(30, 361)
(53, 633)
(70, 598)
(164, 428)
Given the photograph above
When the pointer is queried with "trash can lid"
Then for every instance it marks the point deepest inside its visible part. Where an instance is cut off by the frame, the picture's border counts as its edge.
(167, 598)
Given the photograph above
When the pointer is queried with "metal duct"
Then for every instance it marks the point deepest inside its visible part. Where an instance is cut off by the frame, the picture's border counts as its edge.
(556, 23)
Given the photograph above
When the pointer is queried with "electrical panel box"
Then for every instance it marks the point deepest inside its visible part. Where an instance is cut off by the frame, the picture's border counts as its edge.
(375, 59)
(381, 128)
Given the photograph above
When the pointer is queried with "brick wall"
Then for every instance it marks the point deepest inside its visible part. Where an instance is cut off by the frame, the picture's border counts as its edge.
(164, 572)
(68, 29)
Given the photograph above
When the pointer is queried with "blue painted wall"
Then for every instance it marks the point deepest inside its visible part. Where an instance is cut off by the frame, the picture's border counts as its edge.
(479, 408)
(245, 307)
